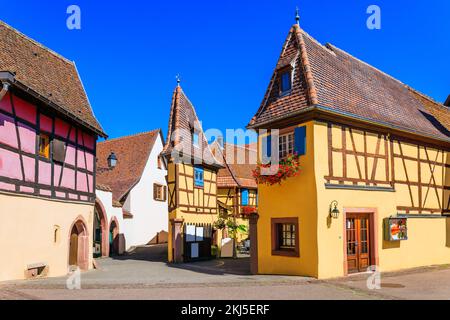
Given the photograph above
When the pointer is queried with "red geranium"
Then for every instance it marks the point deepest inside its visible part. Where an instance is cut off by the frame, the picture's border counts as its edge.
(289, 167)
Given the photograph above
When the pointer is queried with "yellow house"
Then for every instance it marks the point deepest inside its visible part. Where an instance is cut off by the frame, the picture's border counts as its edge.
(237, 192)
(374, 184)
(192, 184)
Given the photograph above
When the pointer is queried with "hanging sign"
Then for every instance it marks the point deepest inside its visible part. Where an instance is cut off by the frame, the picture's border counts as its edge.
(396, 229)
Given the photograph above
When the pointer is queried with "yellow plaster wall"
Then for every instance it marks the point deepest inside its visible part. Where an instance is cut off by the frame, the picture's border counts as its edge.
(27, 234)
(296, 197)
(428, 241)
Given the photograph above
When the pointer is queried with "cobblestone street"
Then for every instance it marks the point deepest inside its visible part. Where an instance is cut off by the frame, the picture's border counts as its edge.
(144, 274)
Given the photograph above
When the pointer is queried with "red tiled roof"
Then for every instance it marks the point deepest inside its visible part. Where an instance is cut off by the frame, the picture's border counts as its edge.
(50, 75)
(239, 162)
(132, 154)
(182, 120)
(327, 78)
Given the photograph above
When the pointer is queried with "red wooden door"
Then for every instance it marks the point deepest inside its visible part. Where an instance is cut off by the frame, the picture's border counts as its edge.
(358, 242)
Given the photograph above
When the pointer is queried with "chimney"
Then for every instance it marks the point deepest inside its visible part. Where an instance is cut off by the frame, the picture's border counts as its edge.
(447, 102)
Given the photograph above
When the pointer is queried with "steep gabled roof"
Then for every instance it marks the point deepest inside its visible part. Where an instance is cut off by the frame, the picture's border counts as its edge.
(239, 162)
(132, 153)
(182, 121)
(49, 75)
(329, 79)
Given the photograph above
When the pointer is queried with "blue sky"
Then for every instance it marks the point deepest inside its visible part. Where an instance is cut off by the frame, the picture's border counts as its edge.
(128, 53)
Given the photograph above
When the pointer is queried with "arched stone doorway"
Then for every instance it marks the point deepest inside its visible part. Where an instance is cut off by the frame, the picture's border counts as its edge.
(79, 245)
(100, 235)
(113, 237)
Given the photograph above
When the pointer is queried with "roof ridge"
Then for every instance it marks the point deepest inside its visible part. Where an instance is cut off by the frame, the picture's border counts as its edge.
(130, 136)
(311, 88)
(35, 42)
(425, 96)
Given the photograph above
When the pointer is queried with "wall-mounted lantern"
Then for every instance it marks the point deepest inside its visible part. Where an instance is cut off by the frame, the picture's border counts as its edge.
(334, 211)
(112, 160)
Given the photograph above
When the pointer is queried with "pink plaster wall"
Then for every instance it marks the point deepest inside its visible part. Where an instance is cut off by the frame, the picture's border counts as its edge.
(47, 193)
(91, 182)
(60, 194)
(68, 178)
(7, 186)
(61, 128)
(81, 161)
(81, 182)
(27, 138)
(29, 168)
(10, 164)
(8, 134)
(73, 196)
(25, 110)
(5, 104)
(45, 173)
(26, 189)
(56, 173)
(70, 155)
(46, 123)
(90, 161)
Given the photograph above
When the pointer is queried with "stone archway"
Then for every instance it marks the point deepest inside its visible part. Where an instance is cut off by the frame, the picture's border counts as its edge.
(79, 244)
(101, 234)
(113, 237)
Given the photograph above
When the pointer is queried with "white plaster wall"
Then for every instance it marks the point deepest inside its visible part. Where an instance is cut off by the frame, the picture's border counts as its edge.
(149, 216)
(106, 199)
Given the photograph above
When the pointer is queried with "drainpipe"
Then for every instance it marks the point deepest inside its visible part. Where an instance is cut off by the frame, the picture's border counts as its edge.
(4, 90)
(6, 78)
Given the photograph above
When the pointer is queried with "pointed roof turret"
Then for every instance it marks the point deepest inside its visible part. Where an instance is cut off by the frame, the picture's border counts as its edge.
(183, 121)
(327, 81)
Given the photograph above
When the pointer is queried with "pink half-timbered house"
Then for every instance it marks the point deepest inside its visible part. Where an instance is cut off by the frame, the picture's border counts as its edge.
(48, 139)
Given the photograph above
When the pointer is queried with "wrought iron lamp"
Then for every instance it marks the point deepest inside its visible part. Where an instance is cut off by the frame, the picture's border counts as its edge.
(334, 211)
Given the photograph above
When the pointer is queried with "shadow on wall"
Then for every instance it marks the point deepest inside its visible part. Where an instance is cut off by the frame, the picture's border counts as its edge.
(160, 238)
(391, 244)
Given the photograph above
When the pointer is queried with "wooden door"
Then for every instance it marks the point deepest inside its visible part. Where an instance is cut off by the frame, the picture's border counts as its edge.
(73, 250)
(358, 242)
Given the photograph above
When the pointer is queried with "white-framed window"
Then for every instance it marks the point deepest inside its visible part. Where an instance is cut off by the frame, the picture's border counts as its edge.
(286, 145)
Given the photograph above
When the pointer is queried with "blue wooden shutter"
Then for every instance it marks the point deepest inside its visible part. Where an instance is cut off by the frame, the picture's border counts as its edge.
(300, 140)
(244, 197)
(198, 177)
(266, 146)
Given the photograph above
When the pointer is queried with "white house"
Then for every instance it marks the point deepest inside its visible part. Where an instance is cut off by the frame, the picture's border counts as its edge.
(131, 205)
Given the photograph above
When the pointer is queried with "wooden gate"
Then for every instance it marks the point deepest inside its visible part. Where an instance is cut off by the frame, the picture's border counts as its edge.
(197, 240)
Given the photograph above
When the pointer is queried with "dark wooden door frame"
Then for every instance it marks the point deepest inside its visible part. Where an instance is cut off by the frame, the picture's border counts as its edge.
(373, 220)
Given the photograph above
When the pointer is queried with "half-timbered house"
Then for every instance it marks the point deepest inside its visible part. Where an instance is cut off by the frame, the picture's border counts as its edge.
(374, 183)
(237, 194)
(131, 204)
(48, 136)
(191, 182)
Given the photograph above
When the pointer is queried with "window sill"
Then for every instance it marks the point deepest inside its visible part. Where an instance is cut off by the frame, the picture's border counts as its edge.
(356, 187)
(286, 253)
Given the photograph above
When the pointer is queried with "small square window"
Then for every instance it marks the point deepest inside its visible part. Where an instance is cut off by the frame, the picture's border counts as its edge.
(44, 146)
(159, 192)
(286, 83)
(285, 237)
(198, 177)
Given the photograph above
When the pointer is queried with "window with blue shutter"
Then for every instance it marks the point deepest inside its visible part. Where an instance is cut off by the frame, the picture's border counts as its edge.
(198, 177)
(300, 140)
(244, 197)
(266, 147)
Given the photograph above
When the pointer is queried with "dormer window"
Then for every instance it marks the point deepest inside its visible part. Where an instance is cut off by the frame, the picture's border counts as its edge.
(112, 160)
(195, 139)
(285, 82)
